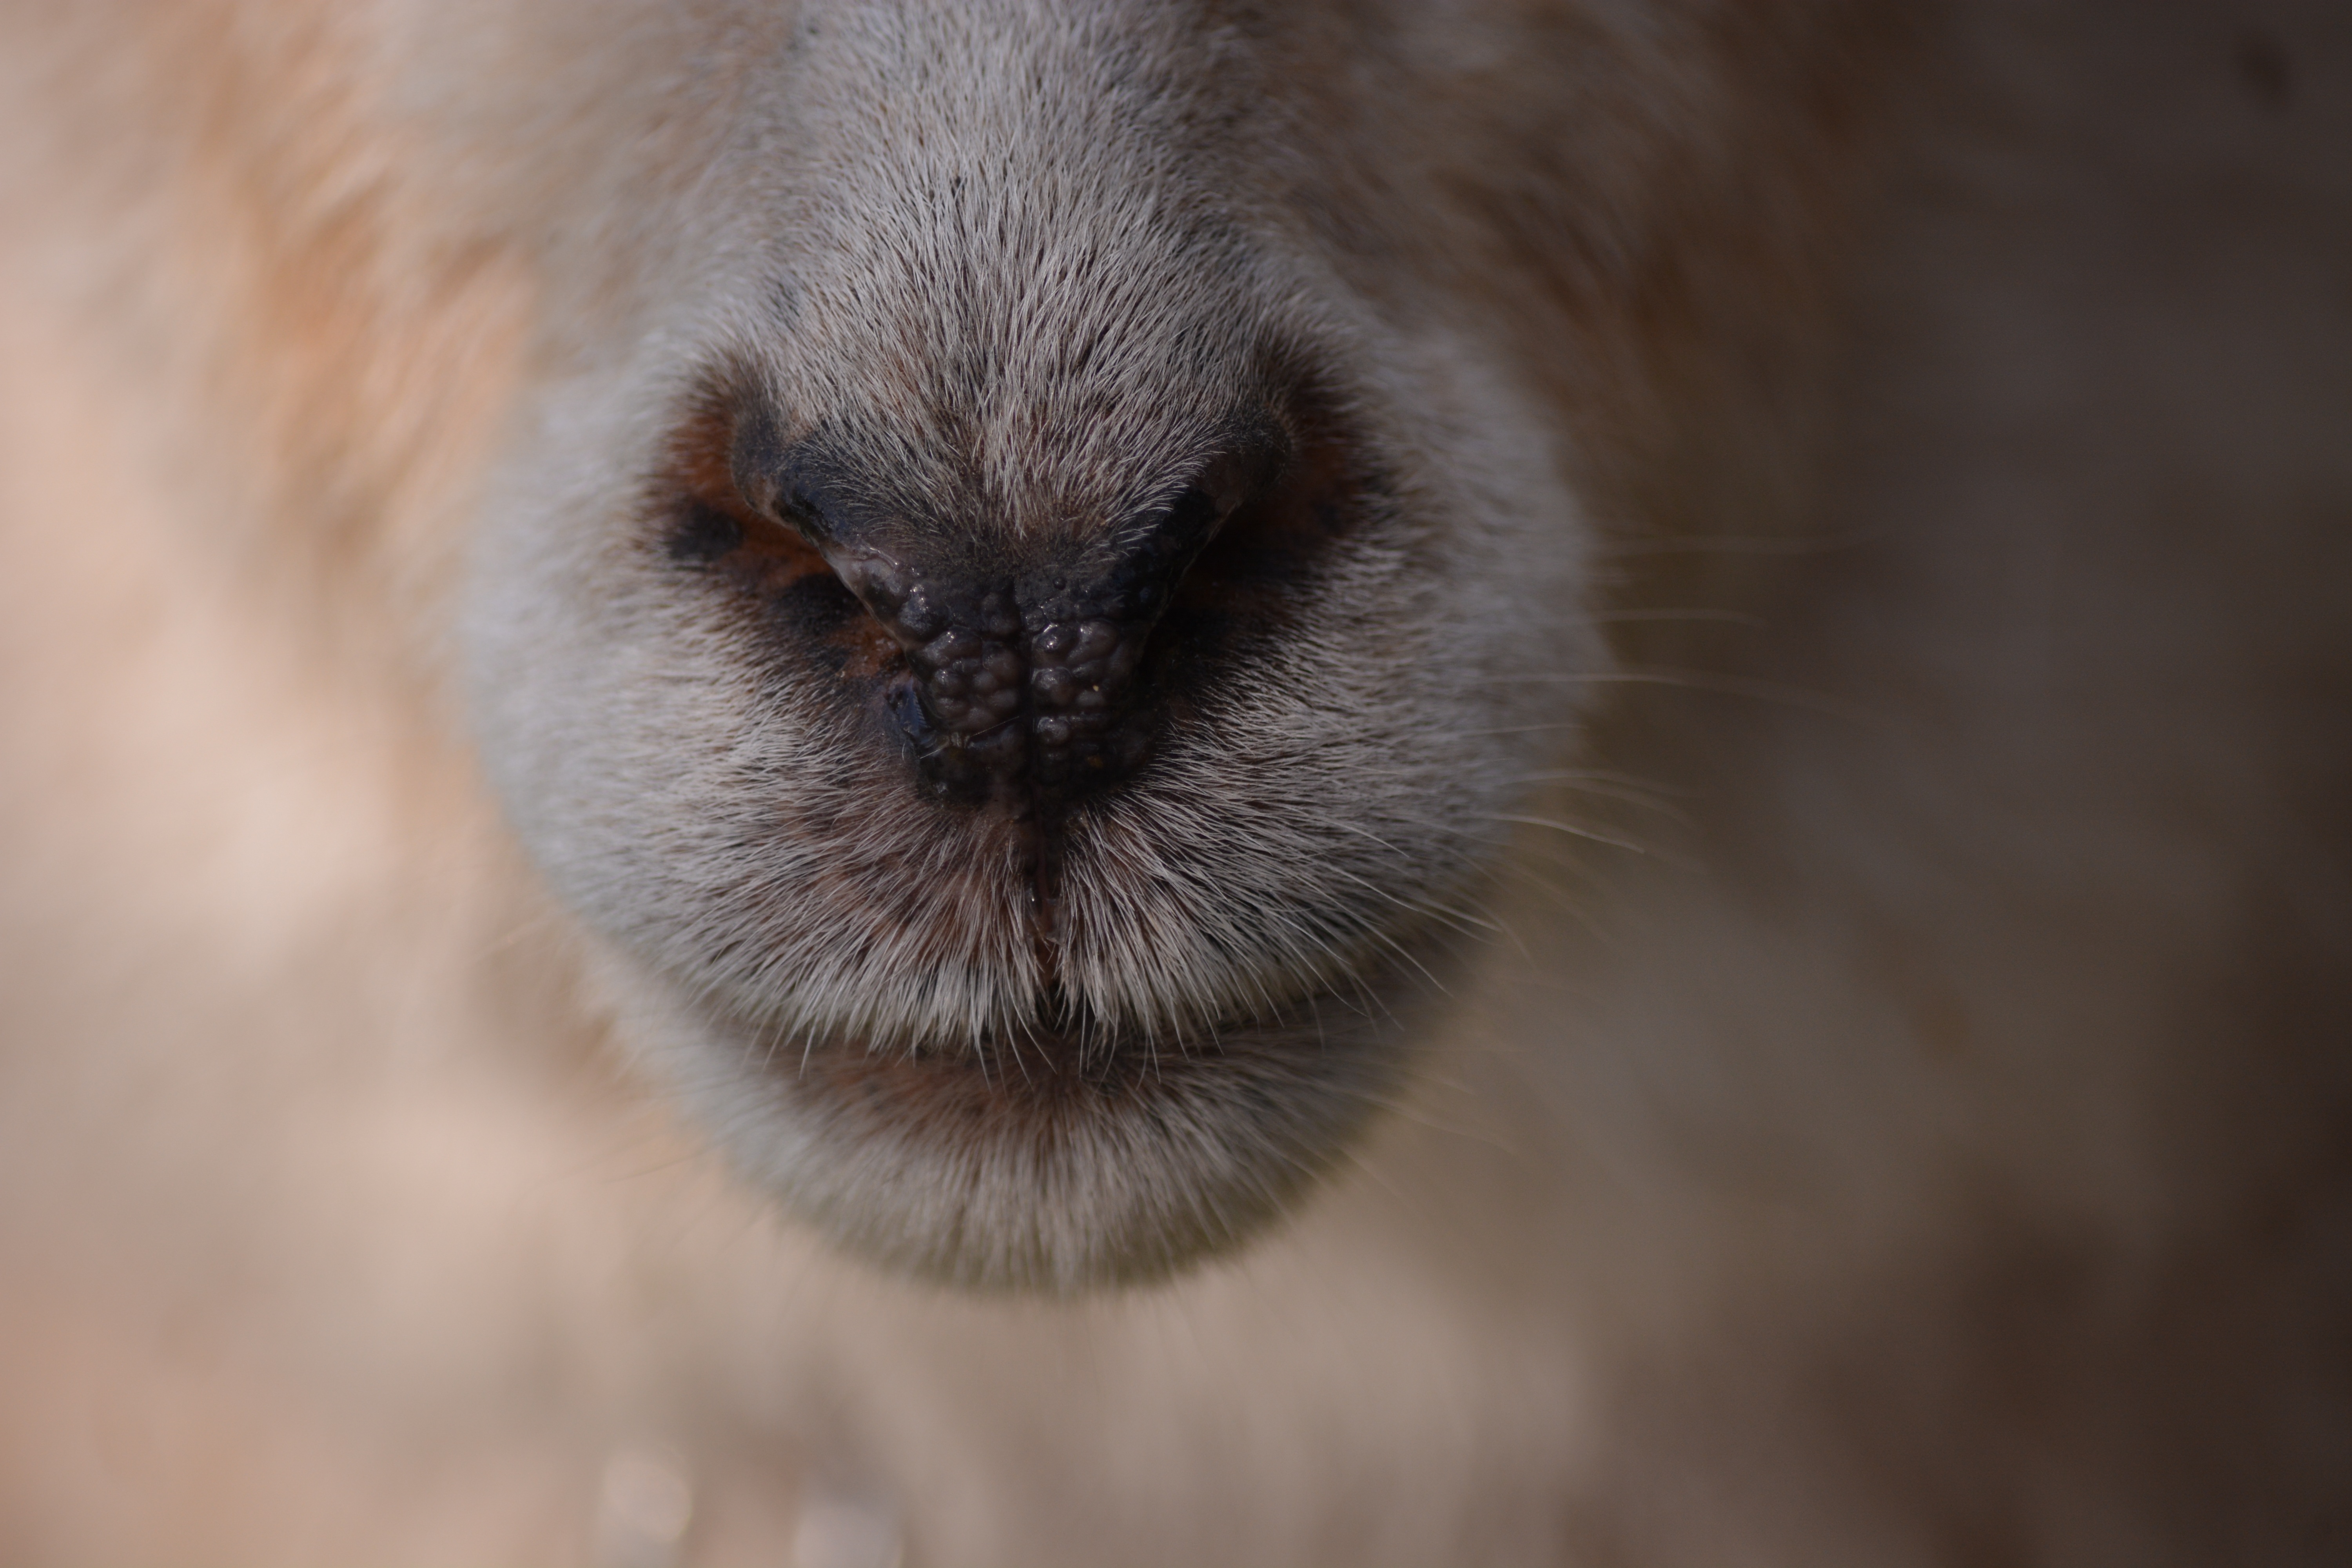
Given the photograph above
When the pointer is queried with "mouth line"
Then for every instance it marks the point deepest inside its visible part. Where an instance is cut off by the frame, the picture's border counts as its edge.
(1097, 1055)
(1330, 1016)
(1057, 1157)
(999, 1023)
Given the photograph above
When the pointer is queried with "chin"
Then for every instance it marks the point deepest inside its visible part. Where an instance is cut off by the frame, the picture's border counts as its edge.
(1039, 1159)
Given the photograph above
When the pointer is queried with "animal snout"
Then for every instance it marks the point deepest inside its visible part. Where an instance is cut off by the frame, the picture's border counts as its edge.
(1019, 681)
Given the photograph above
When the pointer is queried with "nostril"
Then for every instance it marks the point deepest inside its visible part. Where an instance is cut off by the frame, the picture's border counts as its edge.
(721, 511)
(762, 471)
(1023, 672)
(1193, 517)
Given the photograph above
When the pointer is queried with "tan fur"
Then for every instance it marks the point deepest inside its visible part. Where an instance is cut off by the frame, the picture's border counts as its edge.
(1816, 775)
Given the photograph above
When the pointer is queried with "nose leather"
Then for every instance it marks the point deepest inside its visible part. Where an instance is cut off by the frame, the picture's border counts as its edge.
(1023, 686)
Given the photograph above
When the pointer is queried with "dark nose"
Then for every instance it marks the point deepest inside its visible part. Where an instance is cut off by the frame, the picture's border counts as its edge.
(1024, 685)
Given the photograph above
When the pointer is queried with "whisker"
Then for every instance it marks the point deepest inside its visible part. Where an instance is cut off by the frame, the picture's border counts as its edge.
(1460, 920)
(1631, 794)
(1596, 835)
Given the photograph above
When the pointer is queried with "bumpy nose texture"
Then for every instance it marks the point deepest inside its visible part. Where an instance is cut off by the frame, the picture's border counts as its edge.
(1022, 686)
(1081, 728)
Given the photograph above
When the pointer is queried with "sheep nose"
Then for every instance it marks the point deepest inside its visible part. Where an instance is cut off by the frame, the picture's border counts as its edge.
(1024, 685)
